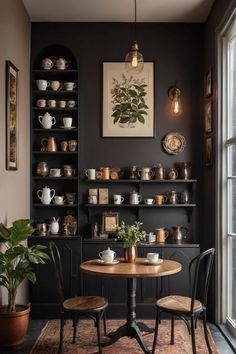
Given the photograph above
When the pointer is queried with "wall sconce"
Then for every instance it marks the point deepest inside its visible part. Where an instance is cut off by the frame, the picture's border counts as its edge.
(176, 106)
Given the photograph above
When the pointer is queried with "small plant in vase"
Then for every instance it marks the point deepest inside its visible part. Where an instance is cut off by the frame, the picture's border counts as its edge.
(130, 235)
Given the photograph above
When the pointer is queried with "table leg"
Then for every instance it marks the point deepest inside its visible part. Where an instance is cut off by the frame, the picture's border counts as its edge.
(130, 328)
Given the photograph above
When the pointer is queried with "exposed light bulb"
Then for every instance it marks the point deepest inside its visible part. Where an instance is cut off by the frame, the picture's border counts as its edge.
(176, 106)
(134, 60)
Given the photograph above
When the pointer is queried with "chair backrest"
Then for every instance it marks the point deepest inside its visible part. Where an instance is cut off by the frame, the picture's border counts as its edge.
(203, 269)
(57, 265)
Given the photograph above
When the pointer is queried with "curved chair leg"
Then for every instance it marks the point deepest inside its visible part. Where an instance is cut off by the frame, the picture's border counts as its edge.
(205, 332)
(60, 349)
(98, 332)
(172, 341)
(156, 332)
(193, 335)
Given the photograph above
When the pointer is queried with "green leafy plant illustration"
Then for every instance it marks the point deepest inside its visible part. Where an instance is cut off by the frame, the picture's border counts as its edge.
(128, 101)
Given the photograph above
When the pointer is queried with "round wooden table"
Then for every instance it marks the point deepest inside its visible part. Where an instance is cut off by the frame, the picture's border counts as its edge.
(131, 271)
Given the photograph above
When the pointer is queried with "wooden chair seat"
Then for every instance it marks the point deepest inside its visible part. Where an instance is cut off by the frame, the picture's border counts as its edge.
(177, 303)
(85, 303)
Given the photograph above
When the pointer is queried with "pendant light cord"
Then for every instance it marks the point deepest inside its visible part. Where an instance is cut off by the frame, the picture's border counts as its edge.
(135, 18)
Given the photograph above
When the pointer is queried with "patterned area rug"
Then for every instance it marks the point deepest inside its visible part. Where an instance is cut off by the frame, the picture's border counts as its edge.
(48, 341)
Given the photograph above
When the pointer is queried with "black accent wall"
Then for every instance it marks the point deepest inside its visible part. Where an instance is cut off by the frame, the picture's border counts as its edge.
(177, 51)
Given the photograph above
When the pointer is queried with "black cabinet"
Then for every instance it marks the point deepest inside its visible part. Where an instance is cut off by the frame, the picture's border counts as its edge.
(43, 294)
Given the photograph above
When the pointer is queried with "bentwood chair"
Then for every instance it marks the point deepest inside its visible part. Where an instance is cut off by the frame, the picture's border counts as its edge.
(189, 308)
(89, 306)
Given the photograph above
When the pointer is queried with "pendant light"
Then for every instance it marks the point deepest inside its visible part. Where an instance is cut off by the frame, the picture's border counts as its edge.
(134, 59)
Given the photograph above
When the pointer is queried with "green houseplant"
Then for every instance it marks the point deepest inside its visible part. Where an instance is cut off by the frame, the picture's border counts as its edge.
(130, 235)
(15, 266)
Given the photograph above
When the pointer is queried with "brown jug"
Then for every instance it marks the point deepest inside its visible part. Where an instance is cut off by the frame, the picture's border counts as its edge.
(49, 144)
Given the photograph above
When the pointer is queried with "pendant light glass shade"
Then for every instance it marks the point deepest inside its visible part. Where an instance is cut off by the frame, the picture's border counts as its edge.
(134, 60)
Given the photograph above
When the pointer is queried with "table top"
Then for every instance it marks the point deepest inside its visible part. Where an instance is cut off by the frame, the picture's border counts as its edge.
(139, 269)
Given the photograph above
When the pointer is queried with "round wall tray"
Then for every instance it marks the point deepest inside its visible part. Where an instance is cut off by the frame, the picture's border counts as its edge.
(174, 143)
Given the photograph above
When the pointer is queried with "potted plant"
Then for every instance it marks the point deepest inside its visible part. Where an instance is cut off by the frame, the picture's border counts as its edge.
(15, 266)
(130, 235)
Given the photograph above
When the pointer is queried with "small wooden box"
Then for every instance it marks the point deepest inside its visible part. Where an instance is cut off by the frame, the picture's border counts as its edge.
(103, 196)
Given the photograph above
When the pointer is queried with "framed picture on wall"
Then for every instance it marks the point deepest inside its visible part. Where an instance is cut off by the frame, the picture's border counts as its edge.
(209, 152)
(128, 101)
(208, 115)
(11, 116)
(208, 83)
(110, 222)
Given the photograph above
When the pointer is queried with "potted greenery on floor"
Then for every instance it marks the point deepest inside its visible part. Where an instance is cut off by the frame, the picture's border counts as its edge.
(15, 266)
(130, 235)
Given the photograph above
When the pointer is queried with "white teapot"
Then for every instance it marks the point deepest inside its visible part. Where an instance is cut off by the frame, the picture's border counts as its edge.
(47, 120)
(45, 196)
(107, 256)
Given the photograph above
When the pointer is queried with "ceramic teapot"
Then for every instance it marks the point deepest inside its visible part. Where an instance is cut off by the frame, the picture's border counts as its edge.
(62, 63)
(54, 226)
(108, 255)
(47, 120)
(45, 195)
(178, 233)
(134, 198)
(49, 144)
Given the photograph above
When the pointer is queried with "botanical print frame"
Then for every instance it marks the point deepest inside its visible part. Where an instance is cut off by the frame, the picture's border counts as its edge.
(208, 83)
(128, 101)
(110, 222)
(208, 116)
(11, 116)
(209, 151)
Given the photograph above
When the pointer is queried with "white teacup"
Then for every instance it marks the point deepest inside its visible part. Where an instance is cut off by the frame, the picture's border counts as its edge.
(118, 199)
(55, 172)
(42, 84)
(69, 86)
(59, 199)
(67, 121)
(71, 103)
(149, 201)
(91, 173)
(55, 85)
(41, 103)
(107, 256)
(61, 104)
(51, 103)
(152, 257)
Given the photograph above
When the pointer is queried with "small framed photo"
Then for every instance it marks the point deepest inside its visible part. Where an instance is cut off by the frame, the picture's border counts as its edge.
(110, 222)
(11, 116)
(208, 116)
(209, 151)
(208, 84)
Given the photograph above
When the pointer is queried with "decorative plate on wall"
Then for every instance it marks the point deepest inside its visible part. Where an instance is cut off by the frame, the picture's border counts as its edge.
(174, 143)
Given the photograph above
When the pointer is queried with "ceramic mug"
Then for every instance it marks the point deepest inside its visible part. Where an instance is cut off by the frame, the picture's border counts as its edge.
(47, 64)
(55, 172)
(51, 103)
(41, 103)
(72, 145)
(71, 103)
(55, 85)
(91, 173)
(118, 199)
(58, 199)
(152, 257)
(69, 86)
(61, 104)
(160, 199)
(42, 84)
(70, 198)
(64, 145)
(67, 121)
(149, 201)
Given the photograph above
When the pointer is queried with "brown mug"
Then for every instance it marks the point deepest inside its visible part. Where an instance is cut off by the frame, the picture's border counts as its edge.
(161, 235)
(105, 173)
(64, 145)
(160, 199)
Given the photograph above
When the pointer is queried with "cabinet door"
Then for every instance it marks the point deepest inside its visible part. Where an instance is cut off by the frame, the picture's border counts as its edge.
(178, 284)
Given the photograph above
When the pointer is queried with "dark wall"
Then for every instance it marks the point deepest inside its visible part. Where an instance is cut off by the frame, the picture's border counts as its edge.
(177, 50)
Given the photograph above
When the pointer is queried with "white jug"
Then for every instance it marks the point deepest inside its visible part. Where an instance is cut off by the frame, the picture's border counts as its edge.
(54, 226)
(47, 120)
(134, 198)
(45, 196)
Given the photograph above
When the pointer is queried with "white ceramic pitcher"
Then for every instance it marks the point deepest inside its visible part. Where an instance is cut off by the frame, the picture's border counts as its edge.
(45, 195)
(47, 120)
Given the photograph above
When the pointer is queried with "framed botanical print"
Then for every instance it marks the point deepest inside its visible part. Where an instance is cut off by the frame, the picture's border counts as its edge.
(110, 222)
(208, 115)
(128, 101)
(11, 116)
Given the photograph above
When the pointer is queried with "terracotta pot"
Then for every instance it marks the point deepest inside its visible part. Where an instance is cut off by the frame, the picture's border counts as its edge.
(130, 253)
(13, 327)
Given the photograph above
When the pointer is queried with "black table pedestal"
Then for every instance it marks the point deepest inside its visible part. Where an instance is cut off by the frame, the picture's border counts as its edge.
(130, 328)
